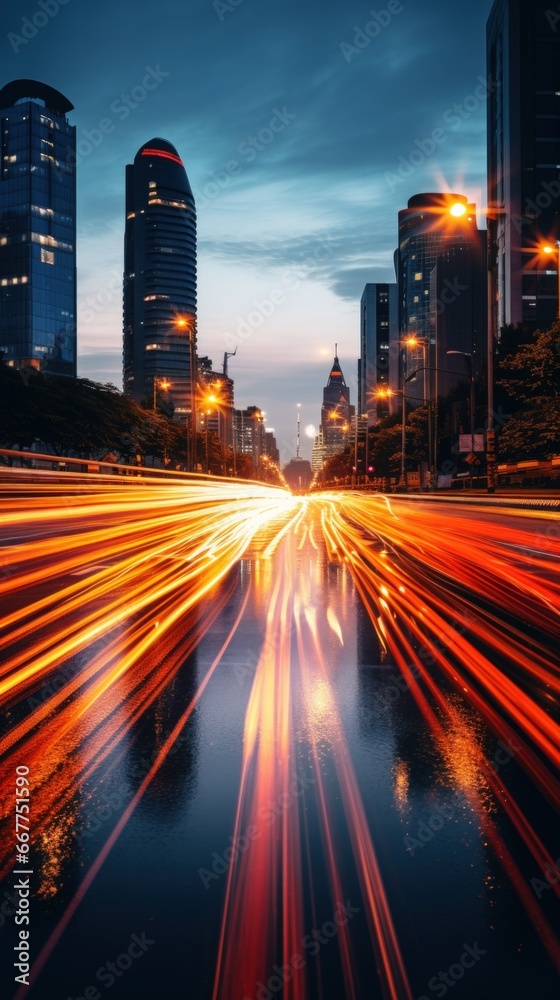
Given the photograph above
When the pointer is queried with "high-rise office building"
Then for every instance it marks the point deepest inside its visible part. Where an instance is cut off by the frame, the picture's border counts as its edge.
(459, 316)
(523, 70)
(215, 402)
(336, 411)
(432, 224)
(249, 433)
(159, 339)
(37, 229)
(271, 445)
(378, 341)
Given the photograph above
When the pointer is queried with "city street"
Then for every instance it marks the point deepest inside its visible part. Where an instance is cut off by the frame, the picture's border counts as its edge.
(281, 747)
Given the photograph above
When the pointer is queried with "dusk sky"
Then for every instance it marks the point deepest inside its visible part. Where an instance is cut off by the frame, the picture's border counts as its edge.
(293, 223)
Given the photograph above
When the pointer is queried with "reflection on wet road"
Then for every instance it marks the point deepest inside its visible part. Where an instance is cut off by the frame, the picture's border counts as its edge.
(310, 744)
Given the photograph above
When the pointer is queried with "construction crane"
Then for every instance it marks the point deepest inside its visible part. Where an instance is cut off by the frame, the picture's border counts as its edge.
(227, 355)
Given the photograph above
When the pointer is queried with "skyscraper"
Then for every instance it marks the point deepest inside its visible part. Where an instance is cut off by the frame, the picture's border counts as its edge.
(458, 313)
(159, 338)
(523, 69)
(378, 334)
(37, 228)
(432, 224)
(336, 411)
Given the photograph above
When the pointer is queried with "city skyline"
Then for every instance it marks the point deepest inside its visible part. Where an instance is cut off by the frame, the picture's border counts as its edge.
(311, 215)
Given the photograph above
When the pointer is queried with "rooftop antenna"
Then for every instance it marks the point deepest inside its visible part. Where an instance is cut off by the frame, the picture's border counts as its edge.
(336, 350)
(298, 428)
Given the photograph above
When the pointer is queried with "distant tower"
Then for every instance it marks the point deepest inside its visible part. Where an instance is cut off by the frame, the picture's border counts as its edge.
(159, 339)
(37, 229)
(336, 412)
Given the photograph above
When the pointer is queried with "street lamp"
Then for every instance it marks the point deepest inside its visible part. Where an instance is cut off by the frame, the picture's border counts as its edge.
(162, 383)
(470, 372)
(387, 394)
(458, 209)
(550, 250)
(423, 342)
(211, 401)
(187, 323)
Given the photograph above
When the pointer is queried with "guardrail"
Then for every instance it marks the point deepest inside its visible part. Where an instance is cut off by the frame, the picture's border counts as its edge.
(35, 463)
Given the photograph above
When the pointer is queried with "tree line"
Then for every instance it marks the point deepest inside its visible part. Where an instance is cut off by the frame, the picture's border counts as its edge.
(78, 418)
(526, 403)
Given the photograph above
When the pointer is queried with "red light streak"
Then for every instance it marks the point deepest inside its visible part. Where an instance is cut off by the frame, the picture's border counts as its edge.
(458, 595)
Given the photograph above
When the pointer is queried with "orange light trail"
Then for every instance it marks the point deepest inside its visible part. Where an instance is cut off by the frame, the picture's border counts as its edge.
(462, 599)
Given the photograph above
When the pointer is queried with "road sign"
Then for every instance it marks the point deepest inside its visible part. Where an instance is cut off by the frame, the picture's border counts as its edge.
(469, 442)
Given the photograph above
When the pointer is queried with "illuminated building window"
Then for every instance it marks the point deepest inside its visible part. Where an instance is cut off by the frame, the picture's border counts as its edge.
(418, 276)
(416, 298)
(50, 241)
(165, 201)
(152, 347)
(14, 281)
(47, 256)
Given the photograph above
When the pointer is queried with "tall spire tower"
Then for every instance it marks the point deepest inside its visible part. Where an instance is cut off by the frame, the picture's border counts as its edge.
(336, 411)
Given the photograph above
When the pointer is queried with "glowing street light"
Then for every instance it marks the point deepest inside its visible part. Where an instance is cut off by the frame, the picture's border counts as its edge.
(187, 322)
(555, 249)
(458, 209)
(160, 383)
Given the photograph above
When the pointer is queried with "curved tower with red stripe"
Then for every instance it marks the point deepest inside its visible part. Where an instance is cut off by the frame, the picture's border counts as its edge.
(159, 337)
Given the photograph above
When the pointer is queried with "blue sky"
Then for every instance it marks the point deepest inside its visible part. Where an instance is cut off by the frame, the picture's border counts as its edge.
(304, 128)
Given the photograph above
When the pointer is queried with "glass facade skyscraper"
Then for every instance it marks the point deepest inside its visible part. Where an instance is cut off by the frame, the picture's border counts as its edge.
(159, 338)
(431, 225)
(37, 229)
(378, 341)
(523, 70)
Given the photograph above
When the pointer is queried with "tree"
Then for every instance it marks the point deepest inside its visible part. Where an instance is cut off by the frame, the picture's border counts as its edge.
(67, 415)
(530, 380)
(533, 372)
(339, 466)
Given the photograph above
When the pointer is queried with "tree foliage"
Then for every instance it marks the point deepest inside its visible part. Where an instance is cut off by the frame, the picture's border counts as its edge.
(78, 417)
(529, 378)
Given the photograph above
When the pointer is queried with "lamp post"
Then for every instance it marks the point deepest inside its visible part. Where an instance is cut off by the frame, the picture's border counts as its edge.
(209, 401)
(550, 250)
(187, 324)
(449, 371)
(414, 341)
(163, 384)
(469, 366)
(387, 394)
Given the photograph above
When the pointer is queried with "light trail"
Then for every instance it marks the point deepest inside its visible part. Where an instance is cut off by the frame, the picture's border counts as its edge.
(462, 600)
